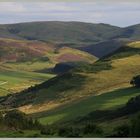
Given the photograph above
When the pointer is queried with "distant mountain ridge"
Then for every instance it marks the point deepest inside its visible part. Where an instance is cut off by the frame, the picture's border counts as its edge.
(68, 32)
(59, 32)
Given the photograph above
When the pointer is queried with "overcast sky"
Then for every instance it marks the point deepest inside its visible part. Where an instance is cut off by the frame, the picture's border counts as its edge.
(121, 13)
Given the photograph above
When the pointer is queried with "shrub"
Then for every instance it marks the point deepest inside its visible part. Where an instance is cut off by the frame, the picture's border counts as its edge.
(46, 131)
(128, 130)
(18, 120)
(121, 131)
(15, 119)
(91, 128)
(135, 81)
(69, 132)
(135, 127)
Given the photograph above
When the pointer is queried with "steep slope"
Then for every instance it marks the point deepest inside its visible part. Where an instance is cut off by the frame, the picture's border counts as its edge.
(112, 116)
(22, 62)
(86, 81)
(93, 108)
(23, 51)
(18, 60)
(35, 55)
(104, 48)
(12, 81)
(124, 61)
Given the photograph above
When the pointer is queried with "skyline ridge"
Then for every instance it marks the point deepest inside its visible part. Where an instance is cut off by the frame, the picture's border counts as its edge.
(41, 21)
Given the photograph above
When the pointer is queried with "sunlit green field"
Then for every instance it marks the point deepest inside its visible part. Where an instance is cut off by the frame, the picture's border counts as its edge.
(14, 81)
(111, 100)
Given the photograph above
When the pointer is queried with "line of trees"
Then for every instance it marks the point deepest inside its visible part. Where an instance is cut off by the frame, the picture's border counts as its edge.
(131, 129)
(17, 120)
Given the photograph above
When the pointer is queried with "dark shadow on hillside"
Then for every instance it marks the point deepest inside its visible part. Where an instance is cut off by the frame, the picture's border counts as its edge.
(104, 48)
(86, 105)
(124, 51)
(59, 68)
(45, 92)
(131, 107)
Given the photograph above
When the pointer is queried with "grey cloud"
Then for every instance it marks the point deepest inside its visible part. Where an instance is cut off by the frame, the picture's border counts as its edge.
(121, 14)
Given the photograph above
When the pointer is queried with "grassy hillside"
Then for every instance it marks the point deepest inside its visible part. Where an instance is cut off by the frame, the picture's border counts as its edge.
(104, 48)
(35, 55)
(84, 36)
(15, 81)
(70, 33)
(96, 39)
(93, 82)
(106, 101)
(20, 60)
(88, 89)
(113, 120)
(60, 32)
(108, 74)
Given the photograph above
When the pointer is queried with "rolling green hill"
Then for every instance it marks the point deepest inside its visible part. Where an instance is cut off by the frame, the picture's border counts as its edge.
(52, 100)
(15, 81)
(96, 39)
(68, 32)
(35, 55)
(98, 62)
(106, 101)
(22, 62)
(126, 58)
(60, 32)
